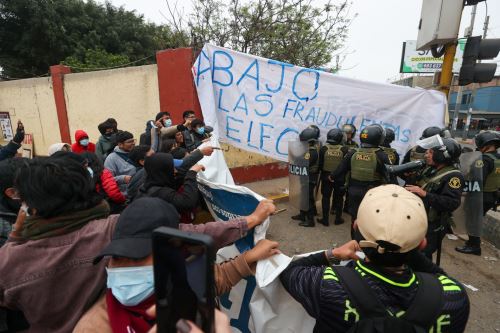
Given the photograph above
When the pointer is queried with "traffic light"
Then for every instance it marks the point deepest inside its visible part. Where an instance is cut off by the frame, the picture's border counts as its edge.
(476, 49)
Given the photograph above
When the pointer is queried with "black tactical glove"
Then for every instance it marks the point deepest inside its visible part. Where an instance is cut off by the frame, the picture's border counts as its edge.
(19, 137)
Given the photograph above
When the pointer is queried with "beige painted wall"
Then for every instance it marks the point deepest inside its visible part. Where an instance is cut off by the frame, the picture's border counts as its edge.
(236, 157)
(130, 95)
(32, 101)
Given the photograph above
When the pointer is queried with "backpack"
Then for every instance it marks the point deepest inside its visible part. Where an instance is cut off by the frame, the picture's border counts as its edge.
(374, 317)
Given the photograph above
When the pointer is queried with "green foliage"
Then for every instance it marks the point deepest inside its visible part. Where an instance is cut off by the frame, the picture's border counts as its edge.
(36, 34)
(95, 60)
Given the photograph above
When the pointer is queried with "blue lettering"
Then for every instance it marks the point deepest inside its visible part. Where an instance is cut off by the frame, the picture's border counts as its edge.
(249, 137)
(282, 65)
(262, 135)
(287, 108)
(287, 130)
(365, 122)
(231, 129)
(406, 134)
(320, 123)
(330, 115)
(298, 109)
(219, 105)
(316, 84)
(222, 68)
(262, 98)
(198, 71)
(256, 77)
(311, 114)
(244, 107)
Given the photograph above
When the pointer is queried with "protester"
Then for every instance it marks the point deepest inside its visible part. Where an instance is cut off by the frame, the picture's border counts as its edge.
(10, 150)
(107, 140)
(9, 198)
(60, 146)
(196, 136)
(363, 167)
(124, 311)
(330, 157)
(440, 187)
(384, 290)
(105, 184)
(119, 162)
(162, 120)
(138, 154)
(489, 167)
(311, 136)
(161, 183)
(46, 265)
(166, 145)
(82, 143)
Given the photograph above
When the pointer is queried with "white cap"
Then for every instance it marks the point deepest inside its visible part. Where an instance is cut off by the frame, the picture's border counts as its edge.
(390, 213)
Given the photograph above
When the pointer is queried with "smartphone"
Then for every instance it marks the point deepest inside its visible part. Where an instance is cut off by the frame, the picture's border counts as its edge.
(184, 279)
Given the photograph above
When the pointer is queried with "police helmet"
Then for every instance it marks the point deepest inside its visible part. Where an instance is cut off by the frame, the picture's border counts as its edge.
(389, 136)
(448, 153)
(309, 134)
(431, 131)
(487, 138)
(372, 136)
(349, 129)
(334, 136)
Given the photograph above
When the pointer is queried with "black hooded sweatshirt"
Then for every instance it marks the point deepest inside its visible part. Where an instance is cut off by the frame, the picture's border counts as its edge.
(160, 183)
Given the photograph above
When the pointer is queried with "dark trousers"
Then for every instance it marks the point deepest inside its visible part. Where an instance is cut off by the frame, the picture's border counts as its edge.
(327, 188)
(434, 238)
(489, 201)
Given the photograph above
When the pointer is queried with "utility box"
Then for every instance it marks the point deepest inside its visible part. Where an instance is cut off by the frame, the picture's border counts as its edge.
(439, 22)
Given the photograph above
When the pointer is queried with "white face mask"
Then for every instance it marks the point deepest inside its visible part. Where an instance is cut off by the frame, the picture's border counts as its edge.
(25, 208)
(131, 285)
(91, 172)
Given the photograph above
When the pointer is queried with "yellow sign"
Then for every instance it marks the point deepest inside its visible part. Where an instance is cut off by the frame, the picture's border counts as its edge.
(455, 183)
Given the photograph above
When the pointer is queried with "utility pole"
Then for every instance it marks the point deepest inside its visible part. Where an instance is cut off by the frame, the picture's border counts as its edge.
(474, 86)
(458, 100)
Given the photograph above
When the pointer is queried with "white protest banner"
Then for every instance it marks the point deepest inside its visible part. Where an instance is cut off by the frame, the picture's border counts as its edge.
(260, 104)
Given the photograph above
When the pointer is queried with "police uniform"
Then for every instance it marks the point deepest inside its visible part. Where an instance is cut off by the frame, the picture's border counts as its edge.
(392, 154)
(330, 157)
(312, 155)
(444, 193)
(351, 144)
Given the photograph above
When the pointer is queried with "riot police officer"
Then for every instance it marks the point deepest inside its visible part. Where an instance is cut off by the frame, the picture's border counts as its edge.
(330, 157)
(418, 153)
(366, 166)
(440, 187)
(386, 146)
(311, 136)
(487, 143)
(350, 133)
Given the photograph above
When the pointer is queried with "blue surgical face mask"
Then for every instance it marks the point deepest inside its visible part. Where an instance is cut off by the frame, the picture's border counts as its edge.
(200, 130)
(91, 172)
(84, 142)
(131, 285)
(168, 122)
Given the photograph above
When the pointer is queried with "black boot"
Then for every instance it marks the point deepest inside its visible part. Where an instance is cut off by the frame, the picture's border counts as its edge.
(324, 221)
(309, 222)
(472, 246)
(338, 220)
(299, 217)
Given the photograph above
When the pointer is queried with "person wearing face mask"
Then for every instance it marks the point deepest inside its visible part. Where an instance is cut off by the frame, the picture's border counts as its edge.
(106, 141)
(130, 278)
(151, 135)
(197, 135)
(82, 143)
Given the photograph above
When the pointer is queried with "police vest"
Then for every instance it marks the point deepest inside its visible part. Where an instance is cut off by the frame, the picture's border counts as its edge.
(351, 144)
(391, 153)
(315, 167)
(414, 155)
(332, 158)
(492, 183)
(364, 165)
(431, 183)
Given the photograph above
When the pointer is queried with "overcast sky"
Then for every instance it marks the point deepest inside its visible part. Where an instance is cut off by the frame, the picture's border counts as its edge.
(375, 37)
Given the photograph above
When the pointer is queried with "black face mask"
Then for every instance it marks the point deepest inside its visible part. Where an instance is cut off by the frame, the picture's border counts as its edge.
(12, 204)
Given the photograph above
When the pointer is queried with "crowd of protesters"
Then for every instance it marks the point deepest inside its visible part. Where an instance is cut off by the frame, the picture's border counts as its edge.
(76, 233)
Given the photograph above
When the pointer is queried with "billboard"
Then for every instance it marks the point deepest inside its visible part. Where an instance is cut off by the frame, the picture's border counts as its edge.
(413, 61)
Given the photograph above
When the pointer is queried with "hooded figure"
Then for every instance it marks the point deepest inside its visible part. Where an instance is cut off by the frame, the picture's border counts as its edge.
(61, 146)
(161, 182)
(82, 143)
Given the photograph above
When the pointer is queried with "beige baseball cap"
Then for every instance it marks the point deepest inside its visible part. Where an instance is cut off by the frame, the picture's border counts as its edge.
(390, 213)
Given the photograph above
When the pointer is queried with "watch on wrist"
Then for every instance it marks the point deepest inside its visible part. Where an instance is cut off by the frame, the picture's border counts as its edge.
(332, 260)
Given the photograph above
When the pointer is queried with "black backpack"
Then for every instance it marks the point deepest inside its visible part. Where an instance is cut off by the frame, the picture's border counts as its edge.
(375, 318)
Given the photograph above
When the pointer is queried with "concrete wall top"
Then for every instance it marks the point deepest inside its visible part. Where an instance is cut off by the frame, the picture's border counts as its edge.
(130, 95)
(32, 101)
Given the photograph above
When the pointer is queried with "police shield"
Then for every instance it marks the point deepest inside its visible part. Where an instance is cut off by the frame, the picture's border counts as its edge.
(469, 217)
(298, 174)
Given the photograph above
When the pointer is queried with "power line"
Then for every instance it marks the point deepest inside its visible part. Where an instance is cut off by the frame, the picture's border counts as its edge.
(113, 67)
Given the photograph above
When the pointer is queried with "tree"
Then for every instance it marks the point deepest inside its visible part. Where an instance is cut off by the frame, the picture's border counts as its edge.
(36, 34)
(293, 31)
